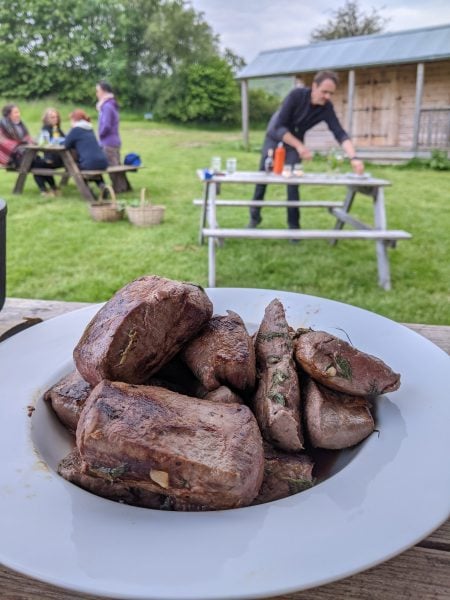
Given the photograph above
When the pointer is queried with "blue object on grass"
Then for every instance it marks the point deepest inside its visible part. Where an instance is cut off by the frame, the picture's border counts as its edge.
(132, 159)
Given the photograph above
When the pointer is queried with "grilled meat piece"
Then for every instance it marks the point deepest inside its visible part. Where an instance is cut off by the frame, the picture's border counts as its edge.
(198, 451)
(335, 420)
(277, 398)
(140, 329)
(68, 397)
(71, 468)
(339, 366)
(222, 394)
(222, 353)
(284, 475)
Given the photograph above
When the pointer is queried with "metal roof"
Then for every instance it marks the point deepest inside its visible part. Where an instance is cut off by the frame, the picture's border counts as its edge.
(409, 46)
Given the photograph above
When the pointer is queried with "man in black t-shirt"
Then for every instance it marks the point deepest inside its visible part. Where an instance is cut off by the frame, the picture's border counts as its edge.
(302, 108)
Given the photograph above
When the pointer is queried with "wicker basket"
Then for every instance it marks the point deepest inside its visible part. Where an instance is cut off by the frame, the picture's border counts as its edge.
(146, 214)
(106, 210)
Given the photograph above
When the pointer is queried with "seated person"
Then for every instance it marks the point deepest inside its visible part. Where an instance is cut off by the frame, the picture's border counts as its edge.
(81, 138)
(14, 137)
(51, 125)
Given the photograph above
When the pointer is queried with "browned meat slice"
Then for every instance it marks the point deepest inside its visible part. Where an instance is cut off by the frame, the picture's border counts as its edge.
(222, 353)
(222, 394)
(339, 366)
(198, 451)
(335, 420)
(284, 475)
(141, 328)
(277, 398)
(67, 398)
(71, 468)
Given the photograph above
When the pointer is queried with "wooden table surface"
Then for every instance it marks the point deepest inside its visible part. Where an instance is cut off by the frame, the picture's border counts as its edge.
(420, 573)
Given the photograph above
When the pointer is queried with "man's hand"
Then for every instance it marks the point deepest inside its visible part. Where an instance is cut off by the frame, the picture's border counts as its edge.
(357, 166)
(304, 152)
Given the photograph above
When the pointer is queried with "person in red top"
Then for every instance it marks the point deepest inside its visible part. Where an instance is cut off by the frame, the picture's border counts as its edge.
(14, 137)
(302, 108)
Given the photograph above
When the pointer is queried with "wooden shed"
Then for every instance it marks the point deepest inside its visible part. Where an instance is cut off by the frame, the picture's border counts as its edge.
(394, 92)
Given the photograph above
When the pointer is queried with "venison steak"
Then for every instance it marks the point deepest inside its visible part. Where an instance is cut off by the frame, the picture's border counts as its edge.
(337, 365)
(335, 420)
(140, 329)
(197, 451)
(67, 398)
(222, 353)
(284, 475)
(277, 398)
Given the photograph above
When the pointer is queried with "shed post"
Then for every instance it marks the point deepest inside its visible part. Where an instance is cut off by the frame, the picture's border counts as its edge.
(244, 106)
(350, 97)
(418, 104)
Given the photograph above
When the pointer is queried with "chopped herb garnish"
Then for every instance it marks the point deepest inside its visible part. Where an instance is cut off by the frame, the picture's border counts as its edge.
(344, 367)
(298, 485)
(278, 398)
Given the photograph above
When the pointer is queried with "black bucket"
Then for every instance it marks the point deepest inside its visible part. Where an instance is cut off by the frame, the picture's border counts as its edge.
(3, 209)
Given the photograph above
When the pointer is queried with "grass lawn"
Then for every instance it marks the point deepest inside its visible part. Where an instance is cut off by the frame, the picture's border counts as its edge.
(55, 250)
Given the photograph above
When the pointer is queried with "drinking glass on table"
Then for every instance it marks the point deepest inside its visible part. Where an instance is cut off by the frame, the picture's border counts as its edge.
(216, 164)
(231, 166)
(44, 138)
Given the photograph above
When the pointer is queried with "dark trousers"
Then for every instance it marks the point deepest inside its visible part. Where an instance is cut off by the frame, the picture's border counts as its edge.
(293, 194)
(42, 180)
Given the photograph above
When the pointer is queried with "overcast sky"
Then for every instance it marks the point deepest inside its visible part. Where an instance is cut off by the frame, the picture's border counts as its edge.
(250, 26)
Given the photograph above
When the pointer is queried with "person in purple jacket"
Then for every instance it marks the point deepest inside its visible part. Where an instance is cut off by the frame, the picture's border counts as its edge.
(108, 131)
(302, 108)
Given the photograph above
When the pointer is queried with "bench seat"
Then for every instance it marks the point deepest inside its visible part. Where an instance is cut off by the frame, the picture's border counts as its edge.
(267, 203)
(308, 234)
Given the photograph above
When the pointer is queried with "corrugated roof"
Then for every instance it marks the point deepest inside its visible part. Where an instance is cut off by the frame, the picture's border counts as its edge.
(413, 45)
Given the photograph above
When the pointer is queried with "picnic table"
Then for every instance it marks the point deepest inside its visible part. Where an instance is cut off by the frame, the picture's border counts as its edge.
(353, 185)
(71, 169)
(422, 572)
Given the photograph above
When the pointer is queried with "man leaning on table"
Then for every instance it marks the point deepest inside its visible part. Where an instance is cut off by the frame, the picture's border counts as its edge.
(302, 109)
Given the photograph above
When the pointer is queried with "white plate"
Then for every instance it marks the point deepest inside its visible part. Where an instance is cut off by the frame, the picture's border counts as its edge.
(393, 492)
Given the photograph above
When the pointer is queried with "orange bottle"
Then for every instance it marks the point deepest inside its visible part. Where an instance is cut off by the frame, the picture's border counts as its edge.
(279, 158)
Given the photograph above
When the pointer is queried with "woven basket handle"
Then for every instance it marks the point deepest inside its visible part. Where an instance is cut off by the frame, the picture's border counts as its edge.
(143, 200)
(112, 193)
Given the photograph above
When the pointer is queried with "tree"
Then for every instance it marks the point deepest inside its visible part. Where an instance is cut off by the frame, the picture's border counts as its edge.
(349, 21)
(203, 91)
(52, 47)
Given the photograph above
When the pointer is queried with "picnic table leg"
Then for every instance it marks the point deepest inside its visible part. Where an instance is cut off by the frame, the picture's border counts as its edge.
(74, 172)
(380, 222)
(351, 192)
(212, 262)
(24, 168)
(203, 213)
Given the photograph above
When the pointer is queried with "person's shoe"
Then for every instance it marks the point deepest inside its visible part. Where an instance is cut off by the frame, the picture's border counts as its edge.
(56, 191)
(49, 194)
(254, 222)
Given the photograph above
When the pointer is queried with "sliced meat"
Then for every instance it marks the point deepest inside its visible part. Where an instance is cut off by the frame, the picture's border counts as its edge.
(198, 451)
(67, 398)
(71, 468)
(284, 475)
(339, 366)
(140, 329)
(277, 398)
(222, 394)
(335, 420)
(222, 353)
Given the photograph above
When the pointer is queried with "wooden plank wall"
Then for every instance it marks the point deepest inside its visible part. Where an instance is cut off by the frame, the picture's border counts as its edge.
(383, 109)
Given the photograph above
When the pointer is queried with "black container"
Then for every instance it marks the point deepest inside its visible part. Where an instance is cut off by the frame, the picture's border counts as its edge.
(3, 209)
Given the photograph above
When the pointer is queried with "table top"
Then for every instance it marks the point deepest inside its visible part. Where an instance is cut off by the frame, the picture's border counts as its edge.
(421, 572)
(342, 179)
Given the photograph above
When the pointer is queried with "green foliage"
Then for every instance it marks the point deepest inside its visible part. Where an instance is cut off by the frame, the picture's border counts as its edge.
(262, 106)
(439, 160)
(147, 49)
(349, 21)
(200, 92)
(52, 47)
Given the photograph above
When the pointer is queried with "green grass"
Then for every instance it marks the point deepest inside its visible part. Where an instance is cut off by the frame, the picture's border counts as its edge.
(55, 250)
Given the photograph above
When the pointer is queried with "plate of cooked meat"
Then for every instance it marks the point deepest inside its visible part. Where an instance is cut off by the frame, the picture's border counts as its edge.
(182, 443)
